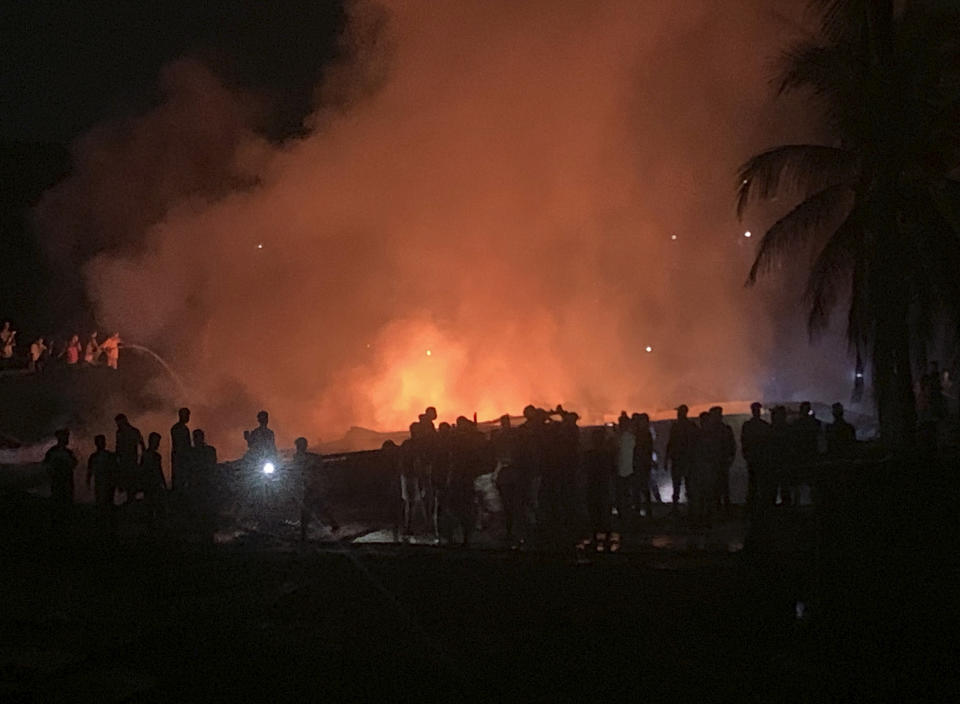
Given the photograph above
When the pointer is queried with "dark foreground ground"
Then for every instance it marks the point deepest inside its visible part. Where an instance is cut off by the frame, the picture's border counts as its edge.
(863, 608)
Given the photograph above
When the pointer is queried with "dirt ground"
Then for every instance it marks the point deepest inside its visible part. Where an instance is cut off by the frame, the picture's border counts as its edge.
(263, 618)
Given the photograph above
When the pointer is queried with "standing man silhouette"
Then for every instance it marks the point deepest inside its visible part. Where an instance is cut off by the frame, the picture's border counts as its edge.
(59, 463)
(681, 453)
(180, 450)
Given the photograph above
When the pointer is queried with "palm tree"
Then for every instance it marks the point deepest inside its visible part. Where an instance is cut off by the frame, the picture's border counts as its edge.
(879, 208)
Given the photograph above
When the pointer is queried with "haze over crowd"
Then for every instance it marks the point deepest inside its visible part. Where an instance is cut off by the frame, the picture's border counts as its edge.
(497, 183)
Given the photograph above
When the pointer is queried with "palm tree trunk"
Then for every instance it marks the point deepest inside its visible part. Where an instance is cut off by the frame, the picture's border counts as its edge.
(892, 368)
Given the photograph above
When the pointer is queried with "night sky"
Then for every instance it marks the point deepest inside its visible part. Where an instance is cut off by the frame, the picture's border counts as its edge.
(67, 66)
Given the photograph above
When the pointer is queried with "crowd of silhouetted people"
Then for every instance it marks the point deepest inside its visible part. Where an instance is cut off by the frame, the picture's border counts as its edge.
(70, 352)
(552, 477)
(130, 476)
(132, 472)
(550, 473)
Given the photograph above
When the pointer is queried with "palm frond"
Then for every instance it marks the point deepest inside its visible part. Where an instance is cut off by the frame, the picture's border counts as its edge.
(802, 167)
(866, 22)
(827, 69)
(839, 18)
(831, 271)
(796, 227)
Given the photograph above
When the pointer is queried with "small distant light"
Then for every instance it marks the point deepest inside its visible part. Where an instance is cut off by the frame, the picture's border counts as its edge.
(648, 348)
(673, 237)
(260, 245)
(268, 468)
(429, 353)
(859, 375)
(745, 182)
(748, 234)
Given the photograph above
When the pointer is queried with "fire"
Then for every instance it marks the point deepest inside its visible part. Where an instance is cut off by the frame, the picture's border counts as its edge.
(409, 380)
(492, 224)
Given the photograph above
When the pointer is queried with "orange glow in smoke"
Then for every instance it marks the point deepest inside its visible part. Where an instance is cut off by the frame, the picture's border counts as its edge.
(412, 378)
(501, 183)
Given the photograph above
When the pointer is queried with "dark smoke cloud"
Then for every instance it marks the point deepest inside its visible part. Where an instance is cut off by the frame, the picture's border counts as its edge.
(496, 182)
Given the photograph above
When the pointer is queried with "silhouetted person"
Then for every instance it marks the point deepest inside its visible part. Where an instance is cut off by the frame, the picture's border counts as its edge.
(8, 342)
(6, 333)
(200, 466)
(204, 456)
(806, 449)
(72, 352)
(180, 450)
(37, 349)
(723, 450)
(439, 448)
(414, 461)
(508, 479)
(781, 449)
(598, 469)
(111, 350)
(59, 461)
(681, 451)
(567, 439)
(626, 445)
(755, 441)
(151, 476)
(180, 446)
(308, 466)
(841, 436)
(427, 418)
(470, 458)
(91, 351)
(701, 480)
(548, 491)
(530, 457)
(54, 350)
(390, 464)
(643, 461)
(430, 489)
(102, 469)
(128, 445)
(550, 503)
(261, 443)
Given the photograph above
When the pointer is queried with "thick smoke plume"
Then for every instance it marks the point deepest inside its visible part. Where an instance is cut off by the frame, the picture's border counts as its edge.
(495, 182)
